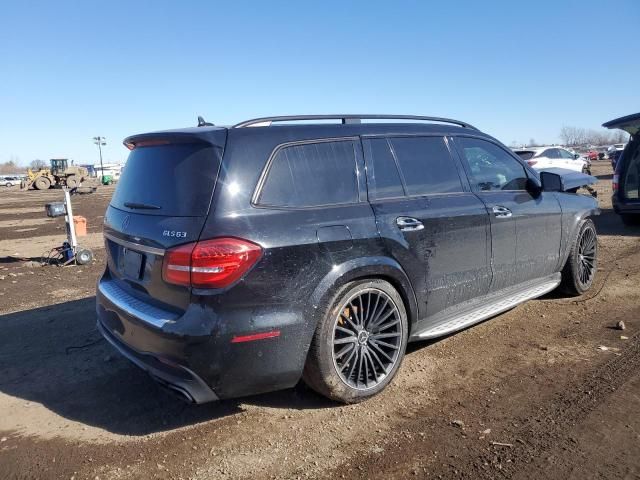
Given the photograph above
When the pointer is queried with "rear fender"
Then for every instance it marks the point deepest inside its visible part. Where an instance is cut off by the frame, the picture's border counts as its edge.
(368, 267)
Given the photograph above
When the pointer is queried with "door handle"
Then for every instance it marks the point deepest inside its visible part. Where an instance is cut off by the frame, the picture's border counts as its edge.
(409, 224)
(501, 212)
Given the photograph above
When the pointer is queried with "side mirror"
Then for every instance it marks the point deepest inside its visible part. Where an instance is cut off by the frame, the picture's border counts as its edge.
(533, 187)
(576, 156)
(551, 182)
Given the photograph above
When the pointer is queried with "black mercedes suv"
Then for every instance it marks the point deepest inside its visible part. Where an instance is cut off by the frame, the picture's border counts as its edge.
(242, 259)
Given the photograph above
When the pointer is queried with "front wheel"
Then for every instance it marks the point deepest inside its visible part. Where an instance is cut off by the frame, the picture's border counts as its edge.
(360, 342)
(582, 263)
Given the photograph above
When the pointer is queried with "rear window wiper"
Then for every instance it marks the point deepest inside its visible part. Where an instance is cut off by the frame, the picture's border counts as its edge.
(141, 206)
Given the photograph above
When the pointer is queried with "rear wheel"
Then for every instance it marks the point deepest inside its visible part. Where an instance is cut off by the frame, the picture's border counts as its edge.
(359, 344)
(580, 269)
(42, 183)
(630, 220)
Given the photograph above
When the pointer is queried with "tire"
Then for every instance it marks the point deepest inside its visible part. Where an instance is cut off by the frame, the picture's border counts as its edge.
(580, 270)
(630, 220)
(351, 375)
(84, 256)
(8, 184)
(42, 183)
(72, 181)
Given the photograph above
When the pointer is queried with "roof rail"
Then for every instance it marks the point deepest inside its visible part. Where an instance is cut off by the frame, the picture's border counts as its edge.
(346, 119)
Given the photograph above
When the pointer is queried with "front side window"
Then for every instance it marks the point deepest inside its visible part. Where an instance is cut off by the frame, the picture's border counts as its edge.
(311, 174)
(564, 154)
(491, 167)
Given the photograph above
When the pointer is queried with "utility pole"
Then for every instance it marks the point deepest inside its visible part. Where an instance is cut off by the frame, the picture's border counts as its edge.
(100, 141)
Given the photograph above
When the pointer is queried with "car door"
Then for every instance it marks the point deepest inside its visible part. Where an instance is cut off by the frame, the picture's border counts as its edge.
(568, 160)
(431, 222)
(525, 227)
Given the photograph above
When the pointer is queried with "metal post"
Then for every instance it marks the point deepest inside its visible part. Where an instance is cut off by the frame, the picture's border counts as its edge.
(69, 220)
(101, 167)
(100, 141)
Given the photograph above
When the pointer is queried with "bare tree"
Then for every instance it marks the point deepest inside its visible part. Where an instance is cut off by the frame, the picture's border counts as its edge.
(9, 167)
(620, 137)
(572, 136)
(38, 164)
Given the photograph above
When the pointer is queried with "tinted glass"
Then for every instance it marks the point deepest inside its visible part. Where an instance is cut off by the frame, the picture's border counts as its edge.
(565, 154)
(311, 175)
(426, 165)
(631, 185)
(526, 155)
(491, 167)
(178, 179)
(551, 153)
(384, 179)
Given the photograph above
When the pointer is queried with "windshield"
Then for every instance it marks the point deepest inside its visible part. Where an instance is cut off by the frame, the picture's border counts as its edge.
(525, 155)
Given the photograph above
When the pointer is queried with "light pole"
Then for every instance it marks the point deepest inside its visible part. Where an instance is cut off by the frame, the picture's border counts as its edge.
(100, 141)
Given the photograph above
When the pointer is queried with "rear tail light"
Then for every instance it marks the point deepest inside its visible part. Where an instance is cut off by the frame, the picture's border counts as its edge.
(531, 163)
(615, 182)
(215, 263)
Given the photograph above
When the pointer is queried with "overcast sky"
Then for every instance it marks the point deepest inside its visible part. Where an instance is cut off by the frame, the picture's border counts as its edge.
(517, 70)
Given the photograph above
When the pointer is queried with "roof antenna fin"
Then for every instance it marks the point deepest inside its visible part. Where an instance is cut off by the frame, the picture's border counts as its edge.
(203, 123)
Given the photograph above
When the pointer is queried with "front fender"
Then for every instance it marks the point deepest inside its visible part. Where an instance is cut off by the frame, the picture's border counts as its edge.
(571, 220)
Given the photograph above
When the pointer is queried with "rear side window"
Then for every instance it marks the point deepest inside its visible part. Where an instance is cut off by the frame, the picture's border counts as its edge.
(172, 180)
(491, 167)
(426, 165)
(311, 174)
(383, 175)
(631, 184)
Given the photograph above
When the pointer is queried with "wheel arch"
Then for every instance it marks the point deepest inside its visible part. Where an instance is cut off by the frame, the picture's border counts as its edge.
(571, 227)
(382, 268)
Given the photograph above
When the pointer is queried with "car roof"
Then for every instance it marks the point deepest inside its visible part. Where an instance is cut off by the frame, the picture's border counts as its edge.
(303, 131)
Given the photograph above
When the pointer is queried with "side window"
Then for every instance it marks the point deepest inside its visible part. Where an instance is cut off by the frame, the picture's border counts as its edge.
(491, 168)
(552, 153)
(426, 165)
(382, 172)
(312, 174)
(565, 154)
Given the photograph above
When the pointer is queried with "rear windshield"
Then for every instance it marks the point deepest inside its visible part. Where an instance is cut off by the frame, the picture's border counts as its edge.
(526, 155)
(174, 180)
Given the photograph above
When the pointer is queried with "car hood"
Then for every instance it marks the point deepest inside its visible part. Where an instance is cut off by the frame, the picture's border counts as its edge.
(629, 123)
(572, 179)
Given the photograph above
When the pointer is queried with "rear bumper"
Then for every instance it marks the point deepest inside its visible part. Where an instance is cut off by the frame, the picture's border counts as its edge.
(208, 351)
(175, 377)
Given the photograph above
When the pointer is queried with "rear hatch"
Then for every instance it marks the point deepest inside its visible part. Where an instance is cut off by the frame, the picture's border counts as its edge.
(161, 200)
(629, 123)
(626, 178)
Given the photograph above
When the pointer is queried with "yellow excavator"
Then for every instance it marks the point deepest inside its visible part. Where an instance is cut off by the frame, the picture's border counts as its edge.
(60, 174)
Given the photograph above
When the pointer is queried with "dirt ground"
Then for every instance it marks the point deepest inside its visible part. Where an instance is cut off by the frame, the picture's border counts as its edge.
(547, 390)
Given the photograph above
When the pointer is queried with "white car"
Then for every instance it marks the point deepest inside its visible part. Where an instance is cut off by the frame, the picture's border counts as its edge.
(540, 158)
(9, 181)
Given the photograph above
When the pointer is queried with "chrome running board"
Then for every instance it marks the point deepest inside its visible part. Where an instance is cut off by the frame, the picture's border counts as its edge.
(465, 316)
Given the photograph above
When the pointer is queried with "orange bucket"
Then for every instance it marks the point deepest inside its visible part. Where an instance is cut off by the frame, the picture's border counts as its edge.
(80, 224)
